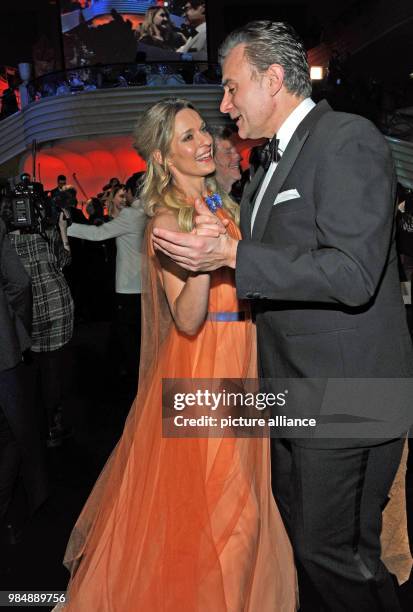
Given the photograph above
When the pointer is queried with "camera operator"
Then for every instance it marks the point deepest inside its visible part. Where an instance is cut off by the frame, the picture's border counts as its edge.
(33, 224)
(20, 451)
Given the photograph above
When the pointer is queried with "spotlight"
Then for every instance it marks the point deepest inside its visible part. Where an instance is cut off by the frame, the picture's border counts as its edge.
(316, 73)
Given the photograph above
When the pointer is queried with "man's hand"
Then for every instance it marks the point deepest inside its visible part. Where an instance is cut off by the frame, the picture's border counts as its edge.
(206, 223)
(206, 248)
(195, 252)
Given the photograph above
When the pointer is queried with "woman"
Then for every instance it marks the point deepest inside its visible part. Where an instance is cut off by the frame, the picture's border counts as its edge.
(158, 30)
(127, 226)
(183, 524)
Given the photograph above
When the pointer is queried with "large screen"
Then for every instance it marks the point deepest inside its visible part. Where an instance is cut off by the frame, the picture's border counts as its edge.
(112, 31)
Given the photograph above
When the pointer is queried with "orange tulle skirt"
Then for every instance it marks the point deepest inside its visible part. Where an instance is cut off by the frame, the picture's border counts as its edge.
(179, 524)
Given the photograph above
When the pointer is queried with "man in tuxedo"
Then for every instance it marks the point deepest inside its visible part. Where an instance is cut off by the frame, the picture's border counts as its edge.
(318, 262)
(196, 45)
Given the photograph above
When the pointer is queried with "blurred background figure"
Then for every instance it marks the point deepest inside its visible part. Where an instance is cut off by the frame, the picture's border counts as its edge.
(404, 238)
(20, 449)
(127, 226)
(113, 182)
(157, 30)
(98, 267)
(405, 230)
(61, 182)
(96, 212)
(226, 157)
(9, 104)
(196, 45)
(42, 246)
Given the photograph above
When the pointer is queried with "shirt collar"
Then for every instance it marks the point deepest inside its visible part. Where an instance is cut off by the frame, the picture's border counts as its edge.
(293, 120)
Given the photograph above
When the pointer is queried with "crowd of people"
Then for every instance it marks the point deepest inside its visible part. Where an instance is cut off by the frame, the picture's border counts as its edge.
(299, 282)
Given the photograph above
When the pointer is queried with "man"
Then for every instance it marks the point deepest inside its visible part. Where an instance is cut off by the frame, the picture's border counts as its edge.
(319, 262)
(20, 450)
(226, 158)
(132, 187)
(196, 45)
(61, 183)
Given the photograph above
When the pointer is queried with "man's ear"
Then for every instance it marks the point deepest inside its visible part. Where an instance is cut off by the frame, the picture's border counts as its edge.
(275, 75)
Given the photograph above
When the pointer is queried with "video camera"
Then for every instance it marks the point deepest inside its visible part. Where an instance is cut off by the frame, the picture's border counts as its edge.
(30, 209)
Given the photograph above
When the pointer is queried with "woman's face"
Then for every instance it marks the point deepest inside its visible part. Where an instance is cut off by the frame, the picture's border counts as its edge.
(161, 19)
(119, 200)
(190, 152)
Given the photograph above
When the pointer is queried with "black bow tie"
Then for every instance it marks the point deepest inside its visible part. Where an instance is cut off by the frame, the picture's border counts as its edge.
(270, 153)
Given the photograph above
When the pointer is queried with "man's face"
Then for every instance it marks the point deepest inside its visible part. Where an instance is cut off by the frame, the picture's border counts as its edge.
(61, 183)
(247, 96)
(227, 160)
(195, 16)
(130, 196)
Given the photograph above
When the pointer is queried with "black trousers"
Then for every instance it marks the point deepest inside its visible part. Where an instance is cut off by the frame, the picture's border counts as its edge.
(9, 464)
(20, 448)
(49, 374)
(127, 333)
(331, 502)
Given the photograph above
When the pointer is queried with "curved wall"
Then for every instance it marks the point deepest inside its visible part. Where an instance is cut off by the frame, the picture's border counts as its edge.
(95, 113)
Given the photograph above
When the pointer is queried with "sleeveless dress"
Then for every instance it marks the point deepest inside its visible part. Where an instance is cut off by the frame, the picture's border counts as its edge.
(183, 524)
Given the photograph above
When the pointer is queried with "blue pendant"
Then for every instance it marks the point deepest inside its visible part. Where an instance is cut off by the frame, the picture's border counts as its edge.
(214, 201)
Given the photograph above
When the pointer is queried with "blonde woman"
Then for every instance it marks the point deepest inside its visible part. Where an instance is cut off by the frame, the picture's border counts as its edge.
(183, 524)
(158, 30)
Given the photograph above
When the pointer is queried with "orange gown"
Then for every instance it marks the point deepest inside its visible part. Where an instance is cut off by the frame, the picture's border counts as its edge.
(183, 524)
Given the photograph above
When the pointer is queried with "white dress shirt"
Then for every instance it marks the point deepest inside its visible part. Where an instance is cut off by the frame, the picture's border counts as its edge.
(284, 136)
(197, 44)
(128, 228)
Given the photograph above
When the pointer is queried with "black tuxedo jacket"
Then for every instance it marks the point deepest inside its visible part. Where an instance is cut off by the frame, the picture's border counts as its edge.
(321, 268)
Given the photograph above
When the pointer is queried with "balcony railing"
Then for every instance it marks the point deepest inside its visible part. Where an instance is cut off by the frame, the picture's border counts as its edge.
(152, 74)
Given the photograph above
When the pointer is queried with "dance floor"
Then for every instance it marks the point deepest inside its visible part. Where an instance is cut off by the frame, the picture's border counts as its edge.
(31, 554)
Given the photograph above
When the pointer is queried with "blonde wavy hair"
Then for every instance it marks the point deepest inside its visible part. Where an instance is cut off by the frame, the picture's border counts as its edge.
(154, 131)
(147, 27)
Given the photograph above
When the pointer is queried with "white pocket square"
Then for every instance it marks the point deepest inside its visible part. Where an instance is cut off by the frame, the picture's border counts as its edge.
(283, 196)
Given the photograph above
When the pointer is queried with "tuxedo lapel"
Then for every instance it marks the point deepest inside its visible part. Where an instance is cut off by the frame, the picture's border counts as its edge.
(282, 171)
(247, 202)
(285, 165)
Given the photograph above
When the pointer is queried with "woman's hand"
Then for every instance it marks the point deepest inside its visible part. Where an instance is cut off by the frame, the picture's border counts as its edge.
(206, 223)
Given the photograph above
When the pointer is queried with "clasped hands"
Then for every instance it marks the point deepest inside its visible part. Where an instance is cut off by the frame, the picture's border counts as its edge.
(206, 248)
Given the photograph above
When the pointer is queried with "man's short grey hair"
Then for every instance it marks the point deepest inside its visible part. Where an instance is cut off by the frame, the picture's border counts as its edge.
(271, 42)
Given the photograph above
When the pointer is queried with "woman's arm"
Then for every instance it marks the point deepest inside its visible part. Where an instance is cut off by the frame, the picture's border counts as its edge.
(187, 293)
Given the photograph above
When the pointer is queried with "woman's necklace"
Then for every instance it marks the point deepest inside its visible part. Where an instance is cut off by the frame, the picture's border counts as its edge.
(213, 201)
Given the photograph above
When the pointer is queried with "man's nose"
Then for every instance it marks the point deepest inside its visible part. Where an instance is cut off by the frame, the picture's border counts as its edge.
(225, 103)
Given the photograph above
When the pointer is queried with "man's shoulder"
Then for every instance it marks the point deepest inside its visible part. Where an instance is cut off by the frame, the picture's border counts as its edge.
(339, 120)
(335, 128)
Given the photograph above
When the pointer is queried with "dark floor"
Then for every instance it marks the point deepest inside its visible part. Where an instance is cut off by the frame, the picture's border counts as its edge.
(96, 409)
